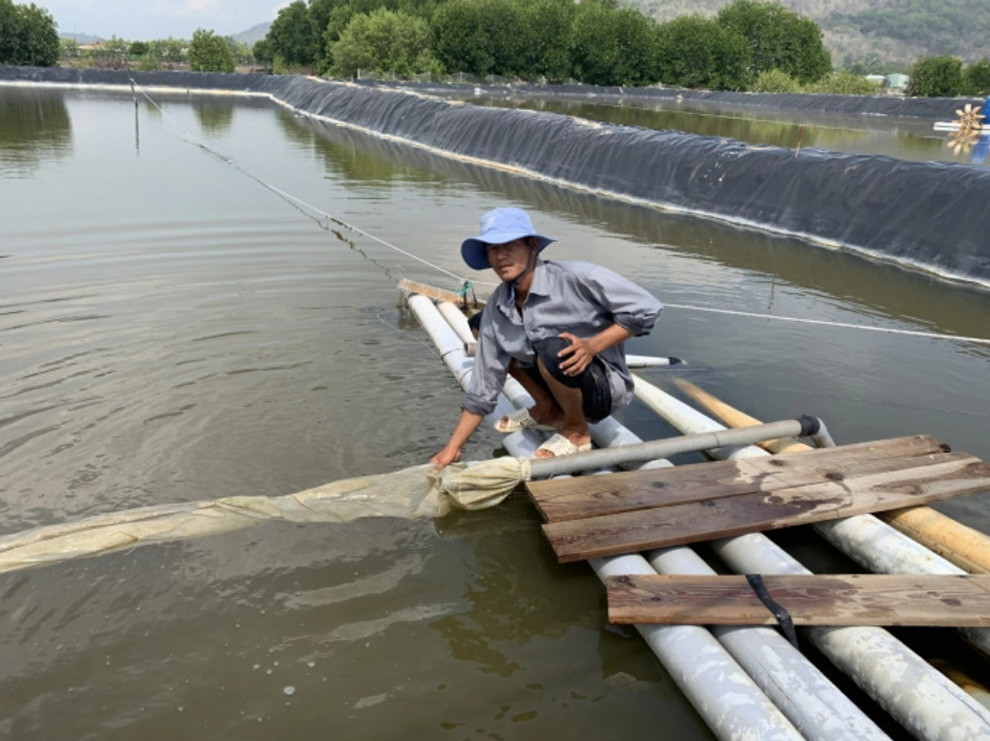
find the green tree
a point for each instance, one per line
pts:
(976, 78)
(319, 13)
(844, 82)
(239, 50)
(169, 52)
(150, 62)
(936, 77)
(262, 52)
(775, 81)
(697, 52)
(68, 49)
(293, 36)
(383, 41)
(28, 35)
(546, 49)
(331, 17)
(481, 37)
(614, 46)
(459, 40)
(209, 53)
(111, 54)
(778, 39)
(138, 49)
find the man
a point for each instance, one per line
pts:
(557, 328)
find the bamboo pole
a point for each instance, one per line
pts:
(962, 545)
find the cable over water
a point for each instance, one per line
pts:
(466, 284)
(297, 202)
(823, 322)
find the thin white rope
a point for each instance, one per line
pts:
(295, 199)
(299, 202)
(843, 325)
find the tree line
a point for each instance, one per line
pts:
(945, 77)
(206, 52)
(27, 35)
(749, 45)
(595, 41)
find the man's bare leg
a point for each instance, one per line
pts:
(546, 411)
(571, 402)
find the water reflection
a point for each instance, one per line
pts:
(344, 157)
(792, 129)
(35, 128)
(512, 606)
(215, 115)
(880, 289)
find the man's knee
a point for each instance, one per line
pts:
(547, 352)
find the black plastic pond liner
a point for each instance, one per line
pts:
(931, 216)
(875, 105)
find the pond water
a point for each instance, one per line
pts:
(900, 138)
(173, 331)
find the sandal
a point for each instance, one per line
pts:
(560, 445)
(520, 420)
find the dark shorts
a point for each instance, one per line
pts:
(596, 391)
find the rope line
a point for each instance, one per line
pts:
(295, 200)
(466, 284)
(843, 325)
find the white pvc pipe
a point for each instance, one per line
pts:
(870, 542)
(722, 693)
(650, 361)
(918, 696)
(450, 347)
(773, 662)
(732, 706)
(458, 322)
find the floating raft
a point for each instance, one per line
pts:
(809, 599)
(596, 516)
(750, 682)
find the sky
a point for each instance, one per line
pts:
(143, 20)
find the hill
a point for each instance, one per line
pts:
(253, 34)
(80, 38)
(896, 31)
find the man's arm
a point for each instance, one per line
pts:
(582, 352)
(466, 426)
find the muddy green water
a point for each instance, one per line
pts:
(171, 331)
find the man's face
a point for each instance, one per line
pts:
(509, 260)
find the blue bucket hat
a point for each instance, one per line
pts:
(499, 227)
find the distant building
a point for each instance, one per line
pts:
(898, 81)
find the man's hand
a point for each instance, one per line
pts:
(580, 353)
(445, 457)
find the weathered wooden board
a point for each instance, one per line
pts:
(592, 496)
(810, 599)
(678, 524)
(437, 294)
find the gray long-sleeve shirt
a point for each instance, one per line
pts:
(566, 296)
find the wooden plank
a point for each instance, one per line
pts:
(810, 599)
(678, 524)
(437, 294)
(592, 496)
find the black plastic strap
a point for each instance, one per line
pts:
(783, 616)
(810, 426)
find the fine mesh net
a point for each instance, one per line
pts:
(411, 493)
